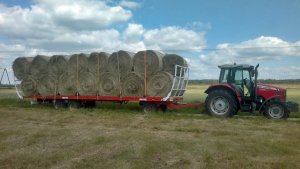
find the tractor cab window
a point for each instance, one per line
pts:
(224, 76)
(240, 76)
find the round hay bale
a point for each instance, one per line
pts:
(120, 62)
(38, 65)
(28, 86)
(97, 62)
(67, 86)
(46, 86)
(109, 84)
(77, 62)
(57, 66)
(21, 67)
(153, 61)
(170, 61)
(87, 83)
(160, 84)
(84, 84)
(133, 85)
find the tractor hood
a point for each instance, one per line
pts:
(269, 87)
(269, 91)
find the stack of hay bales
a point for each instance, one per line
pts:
(120, 74)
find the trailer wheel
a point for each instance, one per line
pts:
(90, 104)
(39, 101)
(149, 107)
(59, 104)
(74, 104)
(220, 103)
(276, 110)
(163, 107)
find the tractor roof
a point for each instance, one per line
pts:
(230, 66)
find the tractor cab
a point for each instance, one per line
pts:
(241, 78)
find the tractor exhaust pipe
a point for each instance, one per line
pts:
(255, 81)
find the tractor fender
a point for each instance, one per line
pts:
(228, 88)
(268, 100)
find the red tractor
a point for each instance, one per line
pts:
(238, 90)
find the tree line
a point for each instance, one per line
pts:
(266, 81)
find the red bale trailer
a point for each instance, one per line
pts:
(173, 100)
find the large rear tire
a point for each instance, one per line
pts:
(276, 110)
(221, 103)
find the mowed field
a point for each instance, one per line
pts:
(121, 136)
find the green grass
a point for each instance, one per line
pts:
(121, 136)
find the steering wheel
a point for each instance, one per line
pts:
(246, 81)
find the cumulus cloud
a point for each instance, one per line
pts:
(49, 17)
(89, 24)
(129, 4)
(268, 51)
(254, 50)
(167, 39)
(174, 38)
(133, 33)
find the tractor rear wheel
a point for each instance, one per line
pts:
(276, 110)
(221, 103)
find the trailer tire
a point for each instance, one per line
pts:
(164, 108)
(149, 107)
(90, 104)
(59, 104)
(220, 103)
(74, 104)
(276, 110)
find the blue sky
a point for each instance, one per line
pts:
(231, 21)
(256, 31)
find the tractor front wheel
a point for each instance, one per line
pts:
(276, 110)
(220, 103)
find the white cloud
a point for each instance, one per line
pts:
(88, 24)
(200, 70)
(129, 4)
(173, 38)
(254, 50)
(279, 72)
(167, 39)
(48, 17)
(197, 25)
(133, 33)
(270, 52)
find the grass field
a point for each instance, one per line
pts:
(121, 136)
